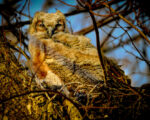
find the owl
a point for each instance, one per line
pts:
(60, 58)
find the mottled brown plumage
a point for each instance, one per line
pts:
(59, 57)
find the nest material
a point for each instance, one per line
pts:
(21, 99)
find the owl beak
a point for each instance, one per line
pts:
(49, 31)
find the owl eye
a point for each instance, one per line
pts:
(57, 25)
(40, 26)
(40, 23)
(60, 22)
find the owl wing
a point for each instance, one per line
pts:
(73, 59)
(37, 52)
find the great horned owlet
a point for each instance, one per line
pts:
(59, 57)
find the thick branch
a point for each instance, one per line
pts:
(100, 23)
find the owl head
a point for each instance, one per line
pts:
(48, 24)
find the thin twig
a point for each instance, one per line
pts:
(98, 107)
(100, 23)
(98, 43)
(112, 10)
(124, 19)
(67, 4)
(37, 91)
